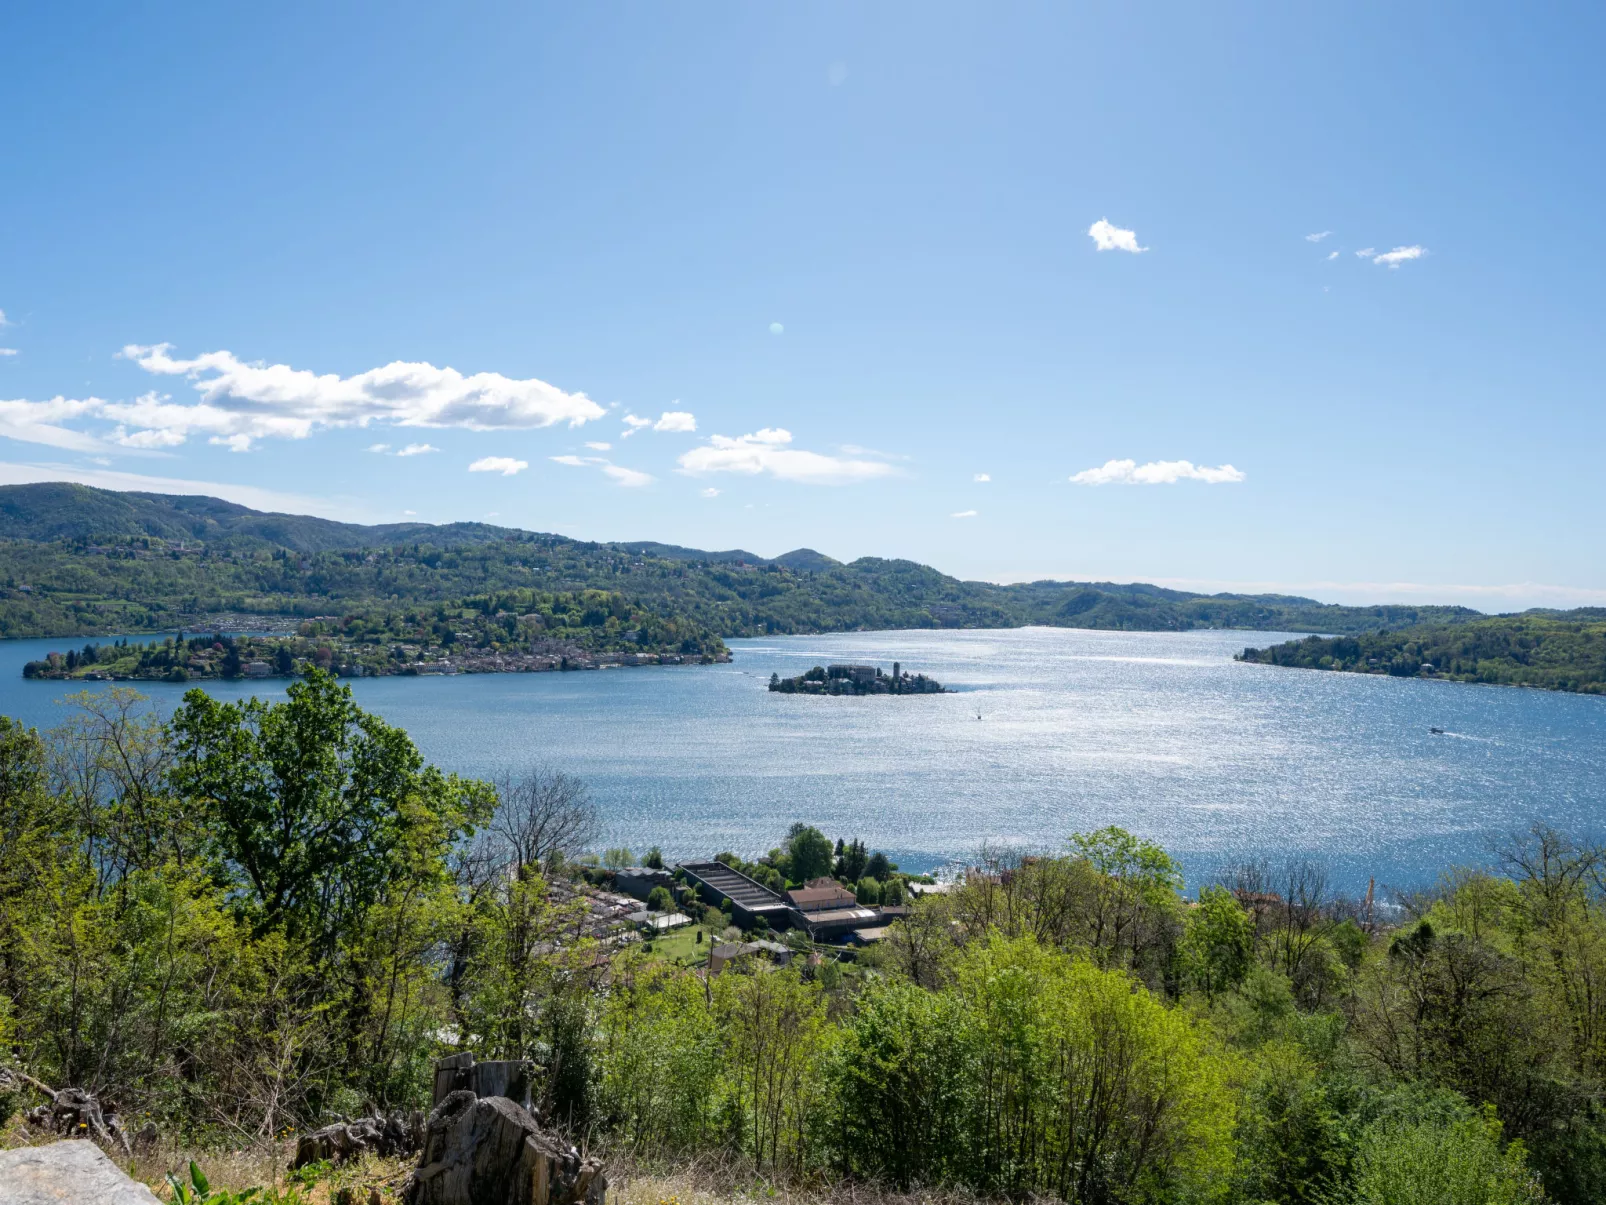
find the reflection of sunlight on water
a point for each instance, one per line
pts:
(1159, 732)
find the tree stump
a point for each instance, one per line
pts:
(491, 1151)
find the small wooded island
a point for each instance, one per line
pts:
(857, 680)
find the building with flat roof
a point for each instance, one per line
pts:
(717, 882)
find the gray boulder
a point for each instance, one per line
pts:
(490, 1151)
(75, 1171)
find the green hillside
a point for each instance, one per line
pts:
(1557, 650)
(81, 561)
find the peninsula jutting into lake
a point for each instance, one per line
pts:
(857, 680)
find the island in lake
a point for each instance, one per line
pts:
(857, 680)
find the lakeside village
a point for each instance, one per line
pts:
(709, 915)
(857, 680)
(229, 656)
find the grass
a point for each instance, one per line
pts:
(682, 947)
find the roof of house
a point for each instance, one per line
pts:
(821, 893)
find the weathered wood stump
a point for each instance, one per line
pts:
(397, 1134)
(491, 1151)
(497, 1077)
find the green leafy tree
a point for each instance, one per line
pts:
(313, 807)
(1218, 942)
(809, 851)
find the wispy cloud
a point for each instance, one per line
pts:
(3, 320)
(777, 329)
(629, 478)
(1156, 472)
(669, 420)
(963, 514)
(769, 451)
(1331, 256)
(710, 492)
(599, 445)
(8, 351)
(379, 449)
(258, 400)
(1365, 252)
(626, 477)
(505, 465)
(417, 449)
(1316, 238)
(41, 422)
(1399, 255)
(1112, 238)
(982, 477)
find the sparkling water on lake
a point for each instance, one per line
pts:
(1162, 733)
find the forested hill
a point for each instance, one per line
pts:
(82, 561)
(1557, 650)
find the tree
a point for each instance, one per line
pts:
(618, 858)
(868, 892)
(809, 851)
(878, 867)
(659, 900)
(543, 814)
(313, 808)
(653, 859)
(1218, 942)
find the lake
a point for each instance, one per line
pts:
(1162, 733)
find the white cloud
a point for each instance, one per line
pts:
(626, 477)
(669, 420)
(1316, 238)
(767, 451)
(1156, 472)
(234, 443)
(1365, 251)
(1112, 238)
(40, 422)
(409, 512)
(710, 492)
(8, 351)
(3, 321)
(963, 514)
(600, 446)
(504, 465)
(417, 450)
(1331, 256)
(379, 448)
(982, 477)
(259, 400)
(675, 420)
(1399, 256)
(777, 329)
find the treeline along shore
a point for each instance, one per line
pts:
(243, 919)
(85, 562)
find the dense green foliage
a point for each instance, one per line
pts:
(1554, 650)
(251, 916)
(514, 629)
(80, 561)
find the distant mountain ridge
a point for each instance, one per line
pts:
(80, 560)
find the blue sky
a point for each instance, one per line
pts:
(812, 271)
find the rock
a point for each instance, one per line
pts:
(70, 1171)
(398, 1134)
(491, 1151)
